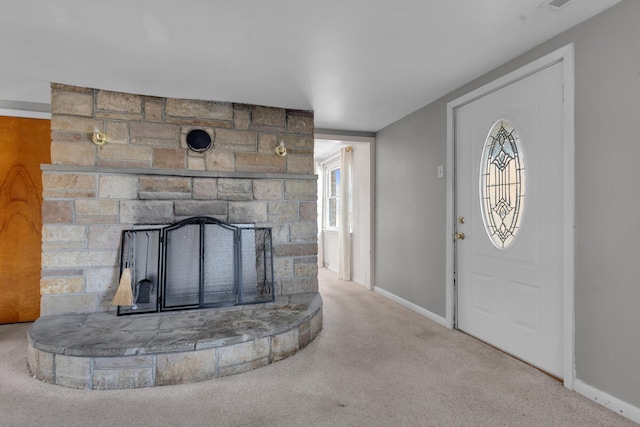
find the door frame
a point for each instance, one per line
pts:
(357, 139)
(566, 56)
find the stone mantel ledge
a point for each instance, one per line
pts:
(174, 172)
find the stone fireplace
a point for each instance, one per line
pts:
(148, 177)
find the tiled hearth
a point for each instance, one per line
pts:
(100, 351)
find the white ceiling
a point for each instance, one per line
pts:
(360, 64)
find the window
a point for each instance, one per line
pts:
(330, 201)
(333, 198)
(502, 179)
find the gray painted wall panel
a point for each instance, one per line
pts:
(410, 209)
(607, 198)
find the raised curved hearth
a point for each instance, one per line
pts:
(102, 351)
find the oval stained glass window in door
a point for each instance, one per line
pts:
(502, 184)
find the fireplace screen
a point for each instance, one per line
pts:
(197, 263)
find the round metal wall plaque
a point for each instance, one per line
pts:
(198, 140)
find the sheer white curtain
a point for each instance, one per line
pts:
(344, 233)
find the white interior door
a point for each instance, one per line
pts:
(509, 265)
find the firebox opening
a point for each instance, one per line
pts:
(199, 262)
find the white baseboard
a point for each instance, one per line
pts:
(411, 306)
(616, 405)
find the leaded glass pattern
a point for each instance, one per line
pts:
(502, 184)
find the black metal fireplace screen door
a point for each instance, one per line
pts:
(199, 262)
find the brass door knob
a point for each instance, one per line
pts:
(458, 236)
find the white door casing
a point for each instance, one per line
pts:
(518, 299)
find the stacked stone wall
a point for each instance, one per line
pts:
(146, 174)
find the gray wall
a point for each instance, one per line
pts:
(410, 208)
(410, 220)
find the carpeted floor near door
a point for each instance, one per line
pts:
(375, 363)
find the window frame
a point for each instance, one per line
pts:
(329, 167)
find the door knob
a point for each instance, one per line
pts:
(458, 236)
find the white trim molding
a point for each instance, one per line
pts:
(618, 406)
(25, 114)
(411, 306)
(360, 138)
